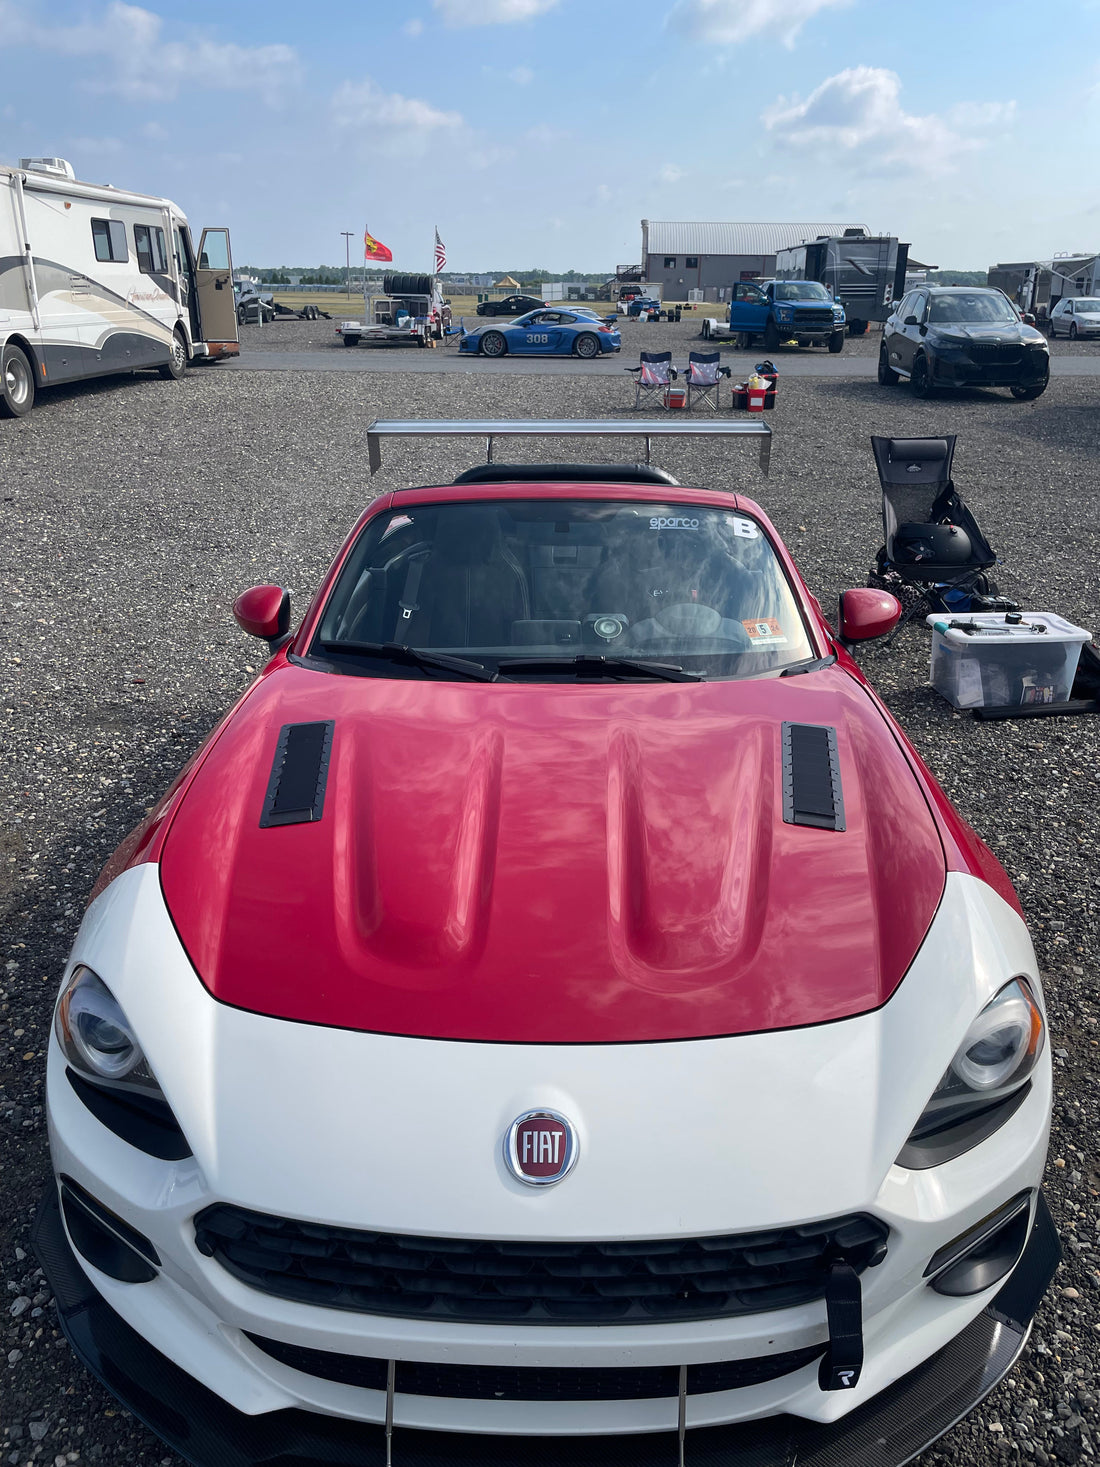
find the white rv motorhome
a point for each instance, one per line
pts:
(95, 280)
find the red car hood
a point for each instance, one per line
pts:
(553, 863)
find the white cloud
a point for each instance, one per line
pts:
(983, 114)
(413, 27)
(95, 147)
(727, 22)
(491, 12)
(142, 66)
(858, 115)
(397, 123)
(523, 76)
(670, 173)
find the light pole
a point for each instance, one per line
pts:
(347, 233)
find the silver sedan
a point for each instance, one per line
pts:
(1076, 316)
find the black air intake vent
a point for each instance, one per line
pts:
(515, 1282)
(536, 1383)
(811, 777)
(299, 773)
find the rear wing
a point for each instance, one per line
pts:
(490, 429)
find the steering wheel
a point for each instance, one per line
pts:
(688, 619)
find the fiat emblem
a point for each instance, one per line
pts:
(540, 1148)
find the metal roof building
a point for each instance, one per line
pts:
(713, 257)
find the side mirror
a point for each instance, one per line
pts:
(911, 321)
(866, 613)
(264, 611)
(1028, 318)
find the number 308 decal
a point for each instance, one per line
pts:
(540, 338)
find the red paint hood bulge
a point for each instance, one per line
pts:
(553, 863)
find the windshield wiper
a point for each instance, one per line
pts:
(813, 665)
(592, 665)
(413, 657)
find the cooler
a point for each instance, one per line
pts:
(1004, 664)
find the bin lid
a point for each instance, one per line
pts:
(997, 632)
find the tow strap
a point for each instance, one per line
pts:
(843, 1359)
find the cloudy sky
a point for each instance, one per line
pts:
(539, 132)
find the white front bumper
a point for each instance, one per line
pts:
(678, 1139)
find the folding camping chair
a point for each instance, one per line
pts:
(704, 376)
(931, 540)
(653, 375)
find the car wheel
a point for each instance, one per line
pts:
(771, 336)
(920, 378)
(886, 375)
(351, 341)
(1028, 394)
(587, 346)
(16, 383)
(1073, 331)
(836, 342)
(492, 344)
(179, 360)
(744, 340)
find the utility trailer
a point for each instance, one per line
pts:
(864, 272)
(411, 311)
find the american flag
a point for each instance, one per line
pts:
(440, 253)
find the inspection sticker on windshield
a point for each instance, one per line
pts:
(765, 633)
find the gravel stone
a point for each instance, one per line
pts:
(132, 512)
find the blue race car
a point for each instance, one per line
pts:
(544, 333)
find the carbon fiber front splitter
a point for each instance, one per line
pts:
(886, 1432)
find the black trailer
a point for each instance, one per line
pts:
(865, 272)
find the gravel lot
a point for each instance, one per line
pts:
(679, 337)
(133, 512)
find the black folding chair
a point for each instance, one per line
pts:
(652, 376)
(704, 377)
(930, 539)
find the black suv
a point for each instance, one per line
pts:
(511, 305)
(962, 336)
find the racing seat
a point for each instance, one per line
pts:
(467, 590)
(652, 376)
(931, 541)
(704, 376)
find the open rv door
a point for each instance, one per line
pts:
(214, 289)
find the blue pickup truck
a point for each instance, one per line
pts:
(785, 310)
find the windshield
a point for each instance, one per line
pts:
(1086, 305)
(554, 579)
(801, 290)
(970, 306)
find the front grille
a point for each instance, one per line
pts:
(535, 1283)
(812, 320)
(535, 1383)
(990, 356)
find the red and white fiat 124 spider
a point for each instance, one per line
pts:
(555, 1017)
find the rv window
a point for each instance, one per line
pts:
(149, 244)
(109, 238)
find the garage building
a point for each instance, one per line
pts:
(683, 257)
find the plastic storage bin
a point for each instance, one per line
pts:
(1002, 664)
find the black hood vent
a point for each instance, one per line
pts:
(811, 777)
(299, 773)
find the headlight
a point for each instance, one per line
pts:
(984, 1082)
(784, 313)
(838, 313)
(95, 1034)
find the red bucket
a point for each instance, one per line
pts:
(756, 396)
